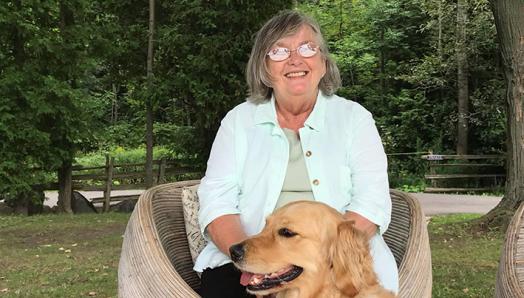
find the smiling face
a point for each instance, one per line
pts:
(297, 76)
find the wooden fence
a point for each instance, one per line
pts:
(111, 176)
(464, 173)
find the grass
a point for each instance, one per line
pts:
(464, 264)
(77, 256)
(60, 255)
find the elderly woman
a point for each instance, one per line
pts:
(293, 139)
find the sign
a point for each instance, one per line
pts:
(435, 157)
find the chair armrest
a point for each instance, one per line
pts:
(153, 249)
(408, 238)
(510, 273)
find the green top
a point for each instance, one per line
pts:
(296, 183)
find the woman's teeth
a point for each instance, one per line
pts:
(296, 74)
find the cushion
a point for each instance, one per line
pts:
(190, 206)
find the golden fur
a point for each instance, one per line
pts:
(334, 255)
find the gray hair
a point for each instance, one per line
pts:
(286, 23)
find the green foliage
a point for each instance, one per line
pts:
(44, 104)
(73, 76)
(406, 172)
(394, 61)
(122, 155)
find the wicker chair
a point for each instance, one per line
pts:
(510, 275)
(156, 262)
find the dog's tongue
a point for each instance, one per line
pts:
(245, 278)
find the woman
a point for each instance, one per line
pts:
(293, 139)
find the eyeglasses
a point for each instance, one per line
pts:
(306, 50)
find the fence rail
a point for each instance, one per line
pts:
(464, 173)
(125, 176)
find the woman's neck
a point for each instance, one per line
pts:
(292, 113)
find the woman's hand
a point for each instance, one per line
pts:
(225, 231)
(361, 223)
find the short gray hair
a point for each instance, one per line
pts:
(285, 23)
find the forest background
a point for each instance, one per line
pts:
(74, 84)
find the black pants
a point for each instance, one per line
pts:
(222, 282)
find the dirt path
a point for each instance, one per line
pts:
(52, 196)
(432, 204)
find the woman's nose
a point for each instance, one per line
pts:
(294, 57)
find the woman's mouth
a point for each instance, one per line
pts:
(296, 74)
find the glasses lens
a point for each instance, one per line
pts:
(278, 54)
(307, 50)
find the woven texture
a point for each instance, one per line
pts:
(510, 275)
(407, 237)
(156, 259)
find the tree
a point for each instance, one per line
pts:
(510, 31)
(44, 106)
(434, 78)
(149, 100)
(462, 79)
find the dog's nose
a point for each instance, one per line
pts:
(237, 252)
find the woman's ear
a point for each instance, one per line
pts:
(352, 264)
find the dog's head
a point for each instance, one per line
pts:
(305, 246)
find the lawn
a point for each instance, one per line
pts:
(60, 255)
(464, 265)
(77, 256)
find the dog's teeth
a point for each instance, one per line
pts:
(255, 280)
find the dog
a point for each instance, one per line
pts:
(307, 249)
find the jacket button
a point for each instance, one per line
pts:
(308, 153)
(316, 182)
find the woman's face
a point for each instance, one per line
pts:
(297, 75)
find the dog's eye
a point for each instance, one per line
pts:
(285, 232)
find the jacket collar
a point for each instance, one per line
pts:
(266, 113)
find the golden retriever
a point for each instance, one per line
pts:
(305, 250)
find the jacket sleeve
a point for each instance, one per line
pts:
(219, 189)
(368, 166)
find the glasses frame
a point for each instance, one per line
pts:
(309, 45)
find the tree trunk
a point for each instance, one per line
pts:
(65, 172)
(510, 31)
(149, 100)
(65, 187)
(462, 79)
(18, 41)
(439, 43)
(382, 66)
(114, 105)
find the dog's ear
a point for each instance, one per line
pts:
(352, 264)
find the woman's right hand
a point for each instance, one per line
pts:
(225, 231)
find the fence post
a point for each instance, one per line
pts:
(162, 171)
(109, 182)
